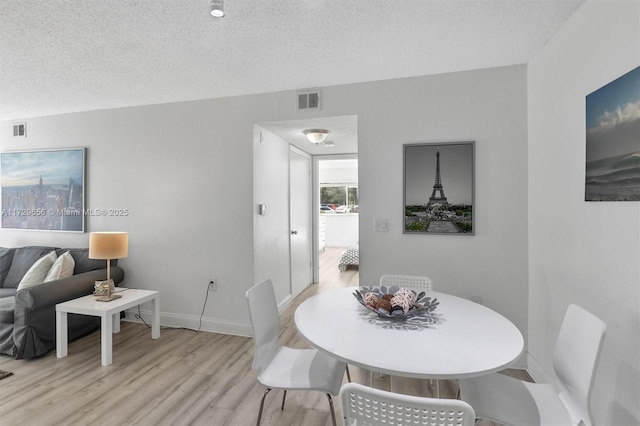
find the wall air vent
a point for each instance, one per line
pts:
(309, 100)
(20, 130)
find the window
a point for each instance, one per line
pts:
(341, 198)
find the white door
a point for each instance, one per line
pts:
(300, 220)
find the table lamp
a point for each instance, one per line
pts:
(108, 245)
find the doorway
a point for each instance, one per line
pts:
(275, 253)
(338, 220)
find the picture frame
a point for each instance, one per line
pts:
(612, 161)
(439, 188)
(43, 190)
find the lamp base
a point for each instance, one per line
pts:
(108, 298)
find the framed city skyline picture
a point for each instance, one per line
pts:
(613, 140)
(439, 188)
(43, 190)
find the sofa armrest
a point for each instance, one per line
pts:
(58, 291)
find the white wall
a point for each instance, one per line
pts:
(488, 106)
(185, 172)
(341, 229)
(579, 252)
(339, 171)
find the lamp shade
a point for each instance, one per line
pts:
(108, 245)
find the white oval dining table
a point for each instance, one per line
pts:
(468, 339)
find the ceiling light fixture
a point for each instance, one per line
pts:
(217, 8)
(316, 135)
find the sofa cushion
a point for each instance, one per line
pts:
(23, 259)
(7, 292)
(7, 305)
(62, 267)
(6, 255)
(38, 271)
(83, 263)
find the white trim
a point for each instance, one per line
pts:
(286, 302)
(535, 371)
(193, 322)
(300, 152)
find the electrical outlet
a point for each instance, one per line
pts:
(213, 285)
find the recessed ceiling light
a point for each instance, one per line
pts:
(217, 8)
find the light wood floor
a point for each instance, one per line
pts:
(183, 378)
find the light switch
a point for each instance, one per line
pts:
(381, 225)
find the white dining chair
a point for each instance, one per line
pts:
(509, 401)
(363, 405)
(410, 282)
(281, 367)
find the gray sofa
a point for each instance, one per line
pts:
(27, 317)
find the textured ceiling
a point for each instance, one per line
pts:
(59, 56)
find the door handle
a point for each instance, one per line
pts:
(294, 232)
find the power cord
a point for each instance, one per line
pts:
(138, 316)
(203, 306)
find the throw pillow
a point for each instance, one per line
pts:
(62, 267)
(38, 271)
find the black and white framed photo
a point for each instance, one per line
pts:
(43, 190)
(439, 188)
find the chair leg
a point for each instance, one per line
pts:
(437, 383)
(333, 413)
(284, 395)
(348, 374)
(262, 405)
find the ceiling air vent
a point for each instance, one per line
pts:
(309, 100)
(20, 130)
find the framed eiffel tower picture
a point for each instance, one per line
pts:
(439, 188)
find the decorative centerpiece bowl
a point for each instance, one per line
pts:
(395, 302)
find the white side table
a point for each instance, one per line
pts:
(109, 313)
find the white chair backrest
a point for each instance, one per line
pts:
(265, 321)
(362, 405)
(575, 360)
(410, 282)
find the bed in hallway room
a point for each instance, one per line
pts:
(350, 257)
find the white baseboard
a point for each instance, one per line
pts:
(206, 324)
(192, 323)
(521, 362)
(535, 371)
(284, 304)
